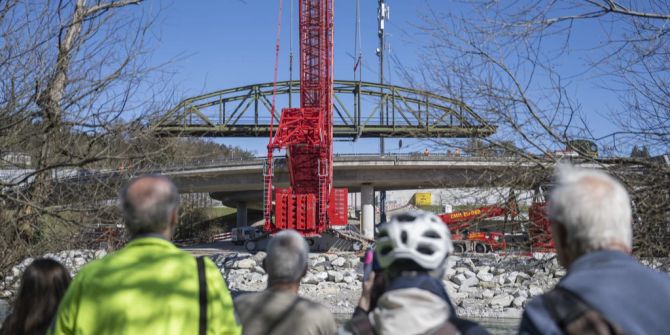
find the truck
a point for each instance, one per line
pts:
(464, 240)
(242, 235)
(538, 234)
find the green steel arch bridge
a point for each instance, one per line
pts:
(360, 110)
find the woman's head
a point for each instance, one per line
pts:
(43, 284)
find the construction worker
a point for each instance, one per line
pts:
(278, 309)
(407, 296)
(606, 290)
(149, 286)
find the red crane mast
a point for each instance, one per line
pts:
(310, 205)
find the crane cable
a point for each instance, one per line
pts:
(274, 83)
(290, 55)
(357, 43)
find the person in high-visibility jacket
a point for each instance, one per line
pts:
(150, 286)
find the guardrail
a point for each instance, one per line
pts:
(259, 160)
(336, 157)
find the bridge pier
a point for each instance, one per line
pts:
(242, 214)
(368, 211)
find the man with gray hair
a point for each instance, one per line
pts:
(279, 309)
(149, 286)
(605, 291)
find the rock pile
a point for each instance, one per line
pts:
(494, 286)
(73, 260)
(332, 279)
(479, 285)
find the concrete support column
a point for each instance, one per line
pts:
(368, 211)
(241, 214)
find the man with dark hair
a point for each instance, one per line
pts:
(279, 309)
(150, 286)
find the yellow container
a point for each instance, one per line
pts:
(423, 199)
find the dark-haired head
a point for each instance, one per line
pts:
(43, 284)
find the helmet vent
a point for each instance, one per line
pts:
(431, 234)
(385, 250)
(424, 249)
(405, 217)
(403, 237)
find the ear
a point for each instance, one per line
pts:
(559, 234)
(174, 219)
(172, 226)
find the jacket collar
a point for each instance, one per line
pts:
(598, 258)
(149, 239)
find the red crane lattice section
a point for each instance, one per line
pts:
(311, 204)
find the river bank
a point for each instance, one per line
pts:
(481, 286)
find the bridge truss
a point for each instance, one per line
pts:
(245, 112)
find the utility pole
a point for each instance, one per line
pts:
(382, 16)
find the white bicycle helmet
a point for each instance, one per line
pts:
(418, 236)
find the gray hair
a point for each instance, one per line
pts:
(147, 203)
(287, 256)
(593, 207)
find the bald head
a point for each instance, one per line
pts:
(150, 205)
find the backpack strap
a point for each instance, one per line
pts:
(202, 296)
(283, 316)
(361, 325)
(447, 328)
(574, 316)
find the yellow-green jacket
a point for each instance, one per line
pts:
(148, 287)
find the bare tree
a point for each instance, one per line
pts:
(505, 59)
(76, 93)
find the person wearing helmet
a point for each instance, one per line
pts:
(407, 296)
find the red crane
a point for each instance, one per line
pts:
(310, 204)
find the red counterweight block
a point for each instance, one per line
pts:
(295, 211)
(337, 212)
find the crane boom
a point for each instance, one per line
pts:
(310, 205)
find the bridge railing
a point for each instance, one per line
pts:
(259, 160)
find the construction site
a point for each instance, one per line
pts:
(302, 188)
(332, 139)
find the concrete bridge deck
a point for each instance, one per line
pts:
(242, 181)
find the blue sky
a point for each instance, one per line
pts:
(229, 43)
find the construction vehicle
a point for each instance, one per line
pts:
(310, 205)
(477, 241)
(539, 227)
(538, 237)
(240, 235)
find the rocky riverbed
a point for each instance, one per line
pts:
(488, 285)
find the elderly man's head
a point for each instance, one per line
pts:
(589, 211)
(286, 260)
(150, 204)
